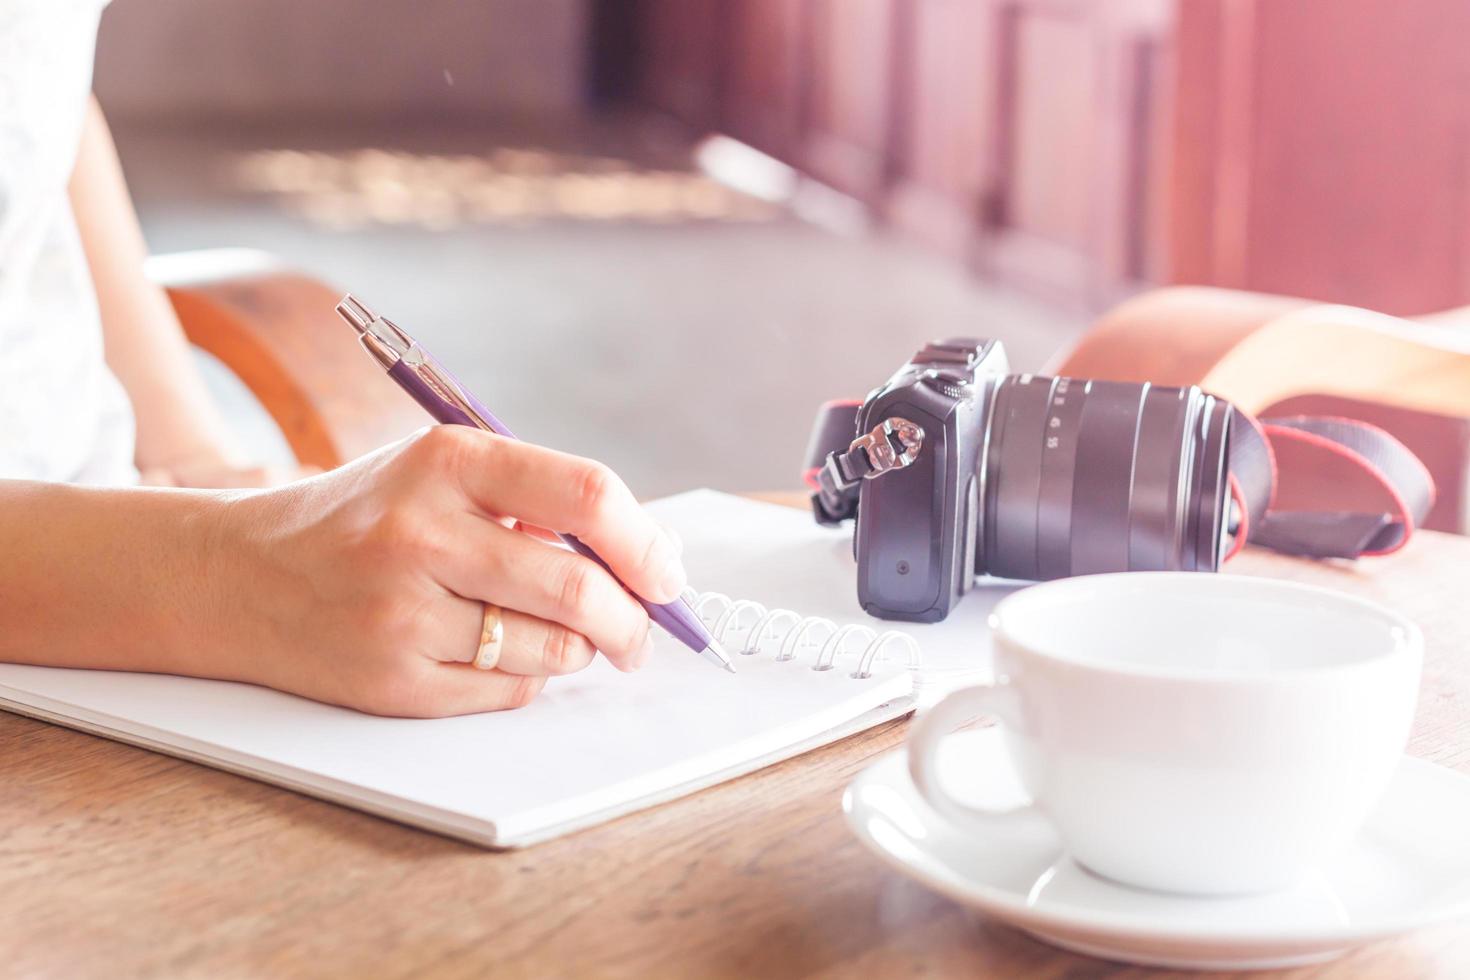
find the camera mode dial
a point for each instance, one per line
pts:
(952, 384)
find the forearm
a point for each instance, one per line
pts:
(367, 586)
(124, 579)
(145, 345)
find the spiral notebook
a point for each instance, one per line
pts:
(594, 745)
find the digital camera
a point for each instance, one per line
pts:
(963, 469)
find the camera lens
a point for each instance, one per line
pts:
(1100, 476)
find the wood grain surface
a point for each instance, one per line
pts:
(117, 862)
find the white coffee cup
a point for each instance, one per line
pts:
(1186, 732)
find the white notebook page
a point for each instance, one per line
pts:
(593, 745)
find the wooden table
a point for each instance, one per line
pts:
(118, 862)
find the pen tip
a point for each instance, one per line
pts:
(716, 655)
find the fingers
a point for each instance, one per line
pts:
(575, 496)
(674, 538)
(442, 689)
(533, 647)
(541, 533)
(551, 537)
(537, 647)
(515, 571)
(531, 650)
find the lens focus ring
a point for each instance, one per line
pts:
(1099, 476)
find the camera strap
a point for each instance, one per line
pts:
(1324, 487)
(1314, 486)
(843, 462)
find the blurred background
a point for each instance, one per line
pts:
(661, 232)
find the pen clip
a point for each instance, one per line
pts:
(390, 346)
(444, 385)
(379, 337)
(381, 352)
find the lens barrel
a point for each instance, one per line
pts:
(1101, 476)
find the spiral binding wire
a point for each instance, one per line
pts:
(800, 633)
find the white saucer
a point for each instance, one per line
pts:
(1409, 868)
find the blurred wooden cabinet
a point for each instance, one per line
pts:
(1022, 136)
(1036, 138)
(946, 122)
(851, 57)
(1070, 115)
(762, 95)
(680, 47)
(808, 81)
(1083, 148)
(1323, 150)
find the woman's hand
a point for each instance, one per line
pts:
(364, 586)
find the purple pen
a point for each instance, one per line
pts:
(442, 396)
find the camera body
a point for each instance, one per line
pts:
(960, 468)
(918, 527)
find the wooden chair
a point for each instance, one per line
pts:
(1277, 355)
(276, 329)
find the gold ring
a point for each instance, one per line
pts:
(492, 632)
